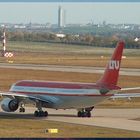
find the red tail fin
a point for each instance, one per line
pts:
(111, 73)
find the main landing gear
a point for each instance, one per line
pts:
(85, 112)
(40, 112)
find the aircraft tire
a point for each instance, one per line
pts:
(88, 114)
(23, 110)
(79, 114)
(20, 110)
(36, 114)
(45, 114)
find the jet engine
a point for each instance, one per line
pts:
(9, 105)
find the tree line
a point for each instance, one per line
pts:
(81, 39)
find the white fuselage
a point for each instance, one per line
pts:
(62, 95)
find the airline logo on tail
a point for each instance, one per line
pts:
(114, 65)
(111, 74)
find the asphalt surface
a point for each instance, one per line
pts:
(82, 69)
(111, 118)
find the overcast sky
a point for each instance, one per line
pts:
(75, 12)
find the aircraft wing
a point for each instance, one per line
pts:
(23, 97)
(125, 95)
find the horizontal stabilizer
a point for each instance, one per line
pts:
(127, 89)
(125, 95)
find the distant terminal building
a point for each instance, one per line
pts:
(60, 35)
(61, 17)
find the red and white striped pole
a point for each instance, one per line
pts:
(4, 42)
(5, 53)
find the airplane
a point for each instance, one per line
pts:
(67, 95)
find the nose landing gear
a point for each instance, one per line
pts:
(21, 109)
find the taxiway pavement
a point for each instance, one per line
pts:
(82, 69)
(111, 118)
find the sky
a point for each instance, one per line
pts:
(76, 12)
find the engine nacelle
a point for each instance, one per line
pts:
(9, 105)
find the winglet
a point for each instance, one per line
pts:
(111, 74)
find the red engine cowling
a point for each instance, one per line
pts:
(9, 105)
